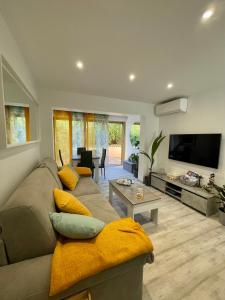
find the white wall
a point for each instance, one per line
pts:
(50, 99)
(206, 114)
(15, 163)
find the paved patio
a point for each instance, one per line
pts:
(114, 154)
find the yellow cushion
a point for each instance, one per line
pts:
(68, 203)
(68, 178)
(83, 171)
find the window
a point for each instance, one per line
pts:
(62, 135)
(77, 132)
(17, 124)
(74, 129)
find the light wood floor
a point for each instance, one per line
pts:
(189, 252)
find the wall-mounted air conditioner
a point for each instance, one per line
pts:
(171, 107)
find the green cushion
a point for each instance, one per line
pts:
(76, 226)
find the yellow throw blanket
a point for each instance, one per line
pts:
(118, 242)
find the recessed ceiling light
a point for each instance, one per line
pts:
(207, 15)
(170, 85)
(79, 65)
(132, 77)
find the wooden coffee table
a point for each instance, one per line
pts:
(127, 195)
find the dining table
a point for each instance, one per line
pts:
(95, 157)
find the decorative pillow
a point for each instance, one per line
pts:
(74, 170)
(71, 168)
(68, 177)
(83, 171)
(68, 203)
(76, 226)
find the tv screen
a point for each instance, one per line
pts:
(199, 149)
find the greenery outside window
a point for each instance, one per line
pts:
(135, 135)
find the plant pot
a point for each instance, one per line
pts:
(150, 177)
(222, 216)
(146, 180)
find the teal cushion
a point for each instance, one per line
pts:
(76, 226)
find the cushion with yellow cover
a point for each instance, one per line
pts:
(83, 171)
(68, 177)
(68, 203)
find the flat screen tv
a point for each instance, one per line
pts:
(199, 149)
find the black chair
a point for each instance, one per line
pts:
(80, 149)
(86, 161)
(102, 164)
(60, 156)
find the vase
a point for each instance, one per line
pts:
(221, 216)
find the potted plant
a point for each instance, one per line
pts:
(221, 196)
(219, 192)
(151, 157)
(134, 159)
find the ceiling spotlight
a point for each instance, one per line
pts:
(132, 77)
(207, 15)
(79, 65)
(169, 86)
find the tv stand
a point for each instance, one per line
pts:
(194, 197)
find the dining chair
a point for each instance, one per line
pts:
(102, 163)
(80, 149)
(60, 157)
(86, 161)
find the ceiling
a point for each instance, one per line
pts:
(160, 41)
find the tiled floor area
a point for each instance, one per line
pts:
(114, 154)
(189, 250)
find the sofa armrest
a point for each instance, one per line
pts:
(30, 279)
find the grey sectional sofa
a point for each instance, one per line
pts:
(27, 241)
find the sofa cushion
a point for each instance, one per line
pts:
(68, 203)
(52, 166)
(26, 228)
(83, 171)
(85, 186)
(76, 226)
(68, 177)
(99, 207)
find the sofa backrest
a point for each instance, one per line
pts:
(53, 168)
(26, 229)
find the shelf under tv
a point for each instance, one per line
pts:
(194, 197)
(173, 193)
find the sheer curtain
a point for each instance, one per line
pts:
(78, 139)
(90, 131)
(101, 133)
(75, 129)
(63, 135)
